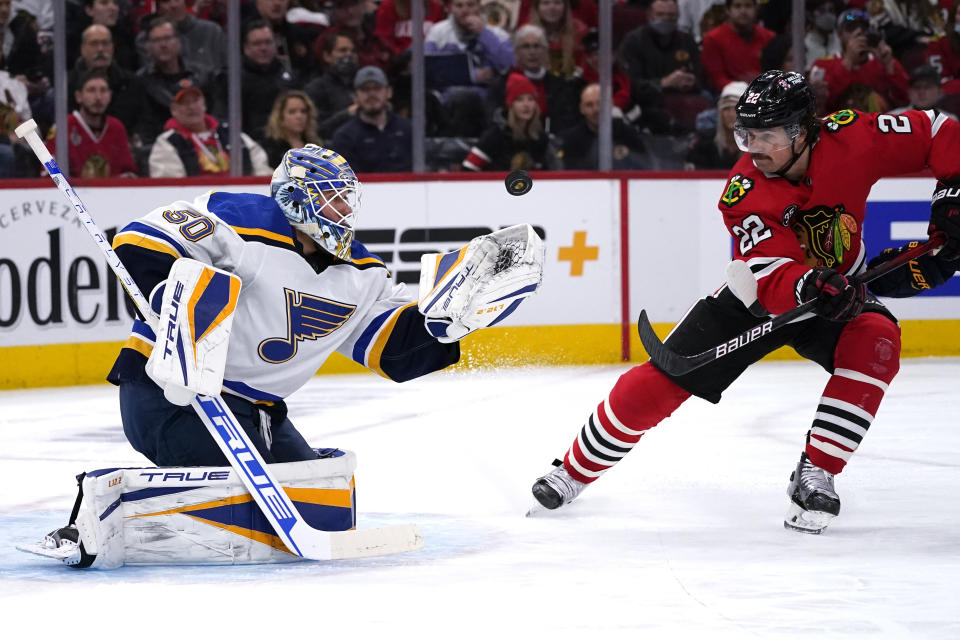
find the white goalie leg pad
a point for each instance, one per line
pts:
(193, 331)
(482, 283)
(204, 515)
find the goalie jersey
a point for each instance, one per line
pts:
(293, 310)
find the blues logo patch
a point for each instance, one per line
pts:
(308, 318)
(736, 190)
(836, 121)
(826, 234)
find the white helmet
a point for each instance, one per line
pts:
(308, 180)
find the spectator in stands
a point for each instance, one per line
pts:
(731, 51)
(588, 71)
(556, 96)
(22, 57)
(14, 110)
(564, 33)
(202, 43)
(907, 26)
(778, 54)
(664, 68)
(96, 54)
(212, 10)
(264, 76)
(291, 125)
(20, 53)
(821, 40)
(106, 13)
(579, 144)
(375, 139)
(293, 40)
(944, 53)
(583, 10)
(97, 142)
(518, 143)
(350, 18)
(465, 31)
(865, 76)
(925, 91)
(716, 148)
(196, 144)
(332, 90)
(691, 14)
(393, 22)
(165, 75)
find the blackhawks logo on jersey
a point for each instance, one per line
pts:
(826, 234)
(736, 190)
(836, 121)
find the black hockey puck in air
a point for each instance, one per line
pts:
(518, 182)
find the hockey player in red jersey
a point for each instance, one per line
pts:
(795, 206)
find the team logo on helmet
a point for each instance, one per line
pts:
(835, 121)
(825, 234)
(736, 190)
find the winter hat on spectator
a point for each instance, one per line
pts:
(731, 94)
(517, 85)
(370, 74)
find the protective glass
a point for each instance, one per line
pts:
(765, 140)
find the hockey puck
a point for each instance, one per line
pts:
(518, 182)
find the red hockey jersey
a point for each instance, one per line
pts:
(782, 229)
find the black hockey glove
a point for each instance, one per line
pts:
(837, 298)
(917, 276)
(945, 216)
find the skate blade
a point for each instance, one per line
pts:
(537, 511)
(799, 519)
(61, 553)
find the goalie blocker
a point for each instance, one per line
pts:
(481, 284)
(195, 515)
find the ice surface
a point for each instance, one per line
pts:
(684, 538)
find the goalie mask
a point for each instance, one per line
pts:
(320, 195)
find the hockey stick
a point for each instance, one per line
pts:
(298, 536)
(675, 364)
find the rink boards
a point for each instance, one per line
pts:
(63, 316)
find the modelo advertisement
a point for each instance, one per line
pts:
(56, 288)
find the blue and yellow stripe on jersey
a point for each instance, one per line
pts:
(361, 258)
(254, 217)
(324, 509)
(143, 236)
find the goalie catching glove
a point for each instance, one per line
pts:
(193, 331)
(481, 284)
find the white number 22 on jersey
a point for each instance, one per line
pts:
(751, 231)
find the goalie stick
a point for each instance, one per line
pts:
(298, 536)
(675, 364)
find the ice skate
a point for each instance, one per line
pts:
(556, 488)
(813, 500)
(62, 544)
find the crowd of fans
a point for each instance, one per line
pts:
(510, 83)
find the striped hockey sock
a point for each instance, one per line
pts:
(866, 359)
(640, 399)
